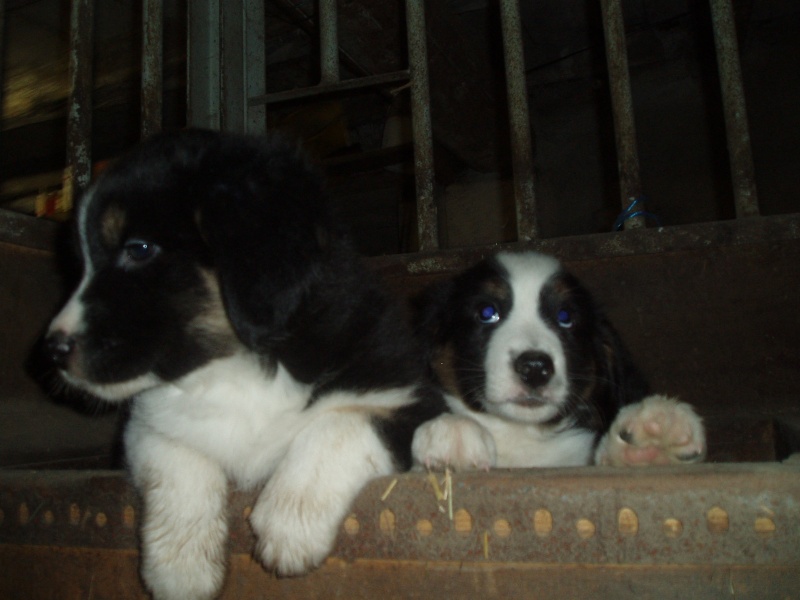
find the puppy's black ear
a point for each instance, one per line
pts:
(432, 314)
(263, 219)
(627, 384)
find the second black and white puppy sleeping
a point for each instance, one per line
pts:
(537, 376)
(219, 296)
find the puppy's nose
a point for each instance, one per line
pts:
(534, 368)
(59, 346)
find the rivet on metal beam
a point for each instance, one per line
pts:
(673, 528)
(585, 528)
(502, 528)
(351, 525)
(129, 517)
(424, 527)
(462, 521)
(628, 522)
(543, 522)
(717, 520)
(48, 518)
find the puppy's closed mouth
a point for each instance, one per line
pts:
(529, 401)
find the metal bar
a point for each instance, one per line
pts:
(79, 113)
(328, 41)
(331, 88)
(519, 122)
(232, 94)
(622, 106)
(202, 57)
(593, 515)
(152, 66)
(255, 69)
(427, 210)
(738, 134)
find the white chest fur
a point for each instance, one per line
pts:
(230, 411)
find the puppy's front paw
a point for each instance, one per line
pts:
(454, 441)
(294, 535)
(656, 431)
(186, 564)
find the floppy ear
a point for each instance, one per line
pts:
(627, 384)
(432, 314)
(264, 222)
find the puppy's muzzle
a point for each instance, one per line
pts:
(59, 347)
(534, 369)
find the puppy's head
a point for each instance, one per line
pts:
(181, 241)
(519, 337)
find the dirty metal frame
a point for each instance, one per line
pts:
(738, 137)
(152, 66)
(720, 515)
(227, 81)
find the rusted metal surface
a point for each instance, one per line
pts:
(328, 41)
(79, 109)
(737, 129)
(202, 60)
(2, 58)
(760, 230)
(427, 210)
(36, 573)
(232, 68)
(722, 514)
(152, 66)
(255, 65)
(622, 107)
(519, 122)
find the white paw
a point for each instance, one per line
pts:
(186, 563)
(294, 533)
(656, 431)
(454, 441)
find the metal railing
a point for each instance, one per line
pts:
(226, 90)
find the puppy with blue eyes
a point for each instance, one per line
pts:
(536, 376)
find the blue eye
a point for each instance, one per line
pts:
(137, 252)
(488, 313)
(564, 319)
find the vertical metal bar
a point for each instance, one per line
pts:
(232, 100)
(622, 106)
(427, 211)
(202, 57)
(519, 122)
(152, 69)
(328, 41)
(2, 52)
(255, 65)
(738, 134)
(79, 113)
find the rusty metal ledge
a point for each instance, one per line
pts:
(771, 230)
(706, 531)
(718, 514)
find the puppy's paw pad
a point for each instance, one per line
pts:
(658, 430)
(453, 441)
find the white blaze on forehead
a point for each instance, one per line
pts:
(524, 330)
(83, 233)
(70, 319)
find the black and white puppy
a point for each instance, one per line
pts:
(536, 376)
(219, 296)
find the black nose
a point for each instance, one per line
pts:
(59, 347)
(534, 368)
